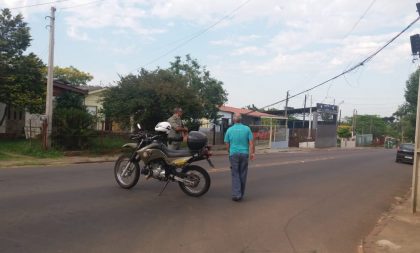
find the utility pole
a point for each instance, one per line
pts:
(415, 195)
(49, 102)
(285, 109)
(416, 164)
(310, 121)
(304, 112)
(353, 132)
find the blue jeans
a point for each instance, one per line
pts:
(239, 169)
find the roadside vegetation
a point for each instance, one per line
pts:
(21, 149)
(32, 149)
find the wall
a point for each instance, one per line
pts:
(326, 136)
(348, 143)
(94, 106)
(3, 126)
(308, 144)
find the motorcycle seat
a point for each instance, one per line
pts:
(176, 153)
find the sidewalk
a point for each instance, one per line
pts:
(396, 231)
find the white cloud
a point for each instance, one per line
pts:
(253, 51)
(73, 33)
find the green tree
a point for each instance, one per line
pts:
(150, 96)
(209, 90)
(22, 84)
(344, 131)
(406, 113)
(369, 124)
(72, 126)
(72, 75)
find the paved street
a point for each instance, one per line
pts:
(319, 201)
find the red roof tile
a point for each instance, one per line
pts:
(241, 111)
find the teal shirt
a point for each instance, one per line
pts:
(238, 136)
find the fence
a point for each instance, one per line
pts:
(264, 135)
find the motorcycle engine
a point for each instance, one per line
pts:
(157, 170)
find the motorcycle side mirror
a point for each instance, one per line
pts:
(138, 126)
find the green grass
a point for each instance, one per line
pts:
(107, 144)
(10, 149)
(4, 156)
(25, 149)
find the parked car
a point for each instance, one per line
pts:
(405, 153)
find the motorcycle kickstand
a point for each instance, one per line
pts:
(163, 188)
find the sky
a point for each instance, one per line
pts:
(259, 49)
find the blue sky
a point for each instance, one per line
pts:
(259, 49)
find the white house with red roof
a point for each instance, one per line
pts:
(249, 117)
(254, 119)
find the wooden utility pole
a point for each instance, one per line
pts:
(416, 164)
(304, 112)
(310, 122)
(285, 109)
(49, 102)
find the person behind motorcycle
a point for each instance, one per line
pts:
(178, 130)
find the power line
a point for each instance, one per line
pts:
(360, 19)
(363, 62)
(79, 5)
(35, 5)
(194, 36)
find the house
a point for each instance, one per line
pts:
(260, 123)
(93, 103)
(33, 122)
(249, 117)
(17, 122)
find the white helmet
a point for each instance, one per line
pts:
(164, 127)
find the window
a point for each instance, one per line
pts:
(92, 110)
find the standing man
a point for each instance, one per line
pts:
(240, 145)
(177, 131)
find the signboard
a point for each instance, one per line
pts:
(326, 108)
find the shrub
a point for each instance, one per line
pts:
(72, 128)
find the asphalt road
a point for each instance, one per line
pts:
(311, 202)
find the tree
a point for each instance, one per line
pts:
(371, 124)
(72, 75)
(344, 131)
(72, 125)
(406, 113)
(150, 96)
(209, 90)
(22, 84)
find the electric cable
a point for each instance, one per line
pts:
(360, 64)
(79, 5)
(39, 4)
(196, 35)
(360, 19)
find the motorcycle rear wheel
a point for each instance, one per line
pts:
(132, 174)
(201, 180)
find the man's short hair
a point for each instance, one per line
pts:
(237, 118)
(177, 109)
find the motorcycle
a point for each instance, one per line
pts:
(164, 164)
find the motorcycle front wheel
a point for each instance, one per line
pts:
(126, 173)
(199, 181)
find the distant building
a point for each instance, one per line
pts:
(18, 122)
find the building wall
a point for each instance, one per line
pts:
(14, 122)
(3, 126)
(94, 106)
(326, 136)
